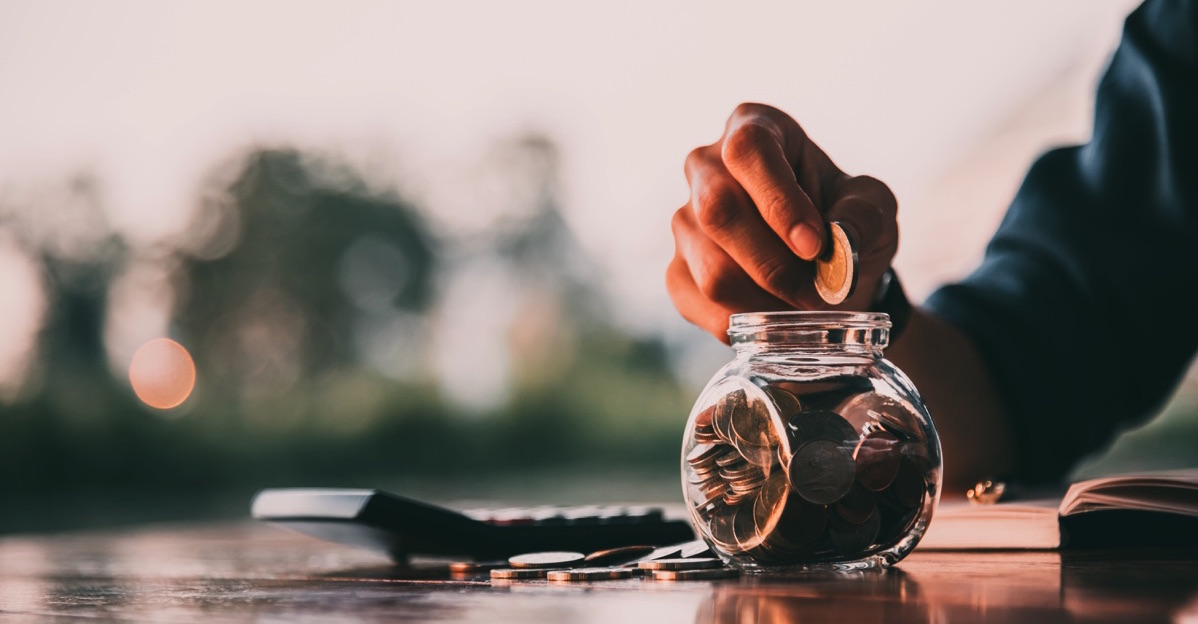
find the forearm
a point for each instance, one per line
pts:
(974, 429)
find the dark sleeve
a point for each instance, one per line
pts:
(1084, 306)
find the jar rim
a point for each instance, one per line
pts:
(806, 330)
(806, 319)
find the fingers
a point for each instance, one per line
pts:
(724, 213)
(867, 209)
(717, 276)
(763, 149)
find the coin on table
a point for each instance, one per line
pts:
(854, 539)
(822, 471)
(475, 567)
(546, 560)
(822, 425)
(695, 575)
(589, 574)
(519, 574)
(616, 556)
(836, 268)
(877, 456)
(694, 563)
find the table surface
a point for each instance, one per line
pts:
(244, 572)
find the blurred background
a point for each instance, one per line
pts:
(421, 245)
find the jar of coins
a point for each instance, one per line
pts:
(809, 450)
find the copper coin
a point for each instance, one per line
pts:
(725, 407)
(856, 506)
(865, 407)
(836, 268)
(519, 574)
(694, 575)
(720, 527)
(854, 539)
(877, 457)
(822, 471)
(785, 402)
(588, 574)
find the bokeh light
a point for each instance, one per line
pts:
(162, 373)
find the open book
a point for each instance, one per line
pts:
(1141, 509)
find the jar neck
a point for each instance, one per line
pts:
(848, 333)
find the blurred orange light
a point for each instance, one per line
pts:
(162, 373)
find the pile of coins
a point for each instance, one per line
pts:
(689, 561)
(849, 478)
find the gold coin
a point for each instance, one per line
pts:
(836, 268)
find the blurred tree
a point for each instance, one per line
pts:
(316, 250)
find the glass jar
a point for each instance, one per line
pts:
(809, 450)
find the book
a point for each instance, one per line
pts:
(1129, 510)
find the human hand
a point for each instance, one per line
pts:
(760, 197)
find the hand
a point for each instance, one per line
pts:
(747, 239)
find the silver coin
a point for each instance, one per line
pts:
(822, 425)
(551, 559)
(836, 268)
(519, 574)
(822, 471)
(695, 575)
(693, 563)
(588, 574)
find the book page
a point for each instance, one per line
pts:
(1173, 491)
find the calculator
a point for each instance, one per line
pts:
(399, 526)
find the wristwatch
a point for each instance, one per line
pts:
(891, 299)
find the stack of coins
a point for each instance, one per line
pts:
(849, 478)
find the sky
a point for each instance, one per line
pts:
(149, 95)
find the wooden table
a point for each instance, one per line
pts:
(243, 572)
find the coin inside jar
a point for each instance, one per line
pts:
(822, 425)
(822, 471)
(836, 268)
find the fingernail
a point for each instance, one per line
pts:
(806, 241)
